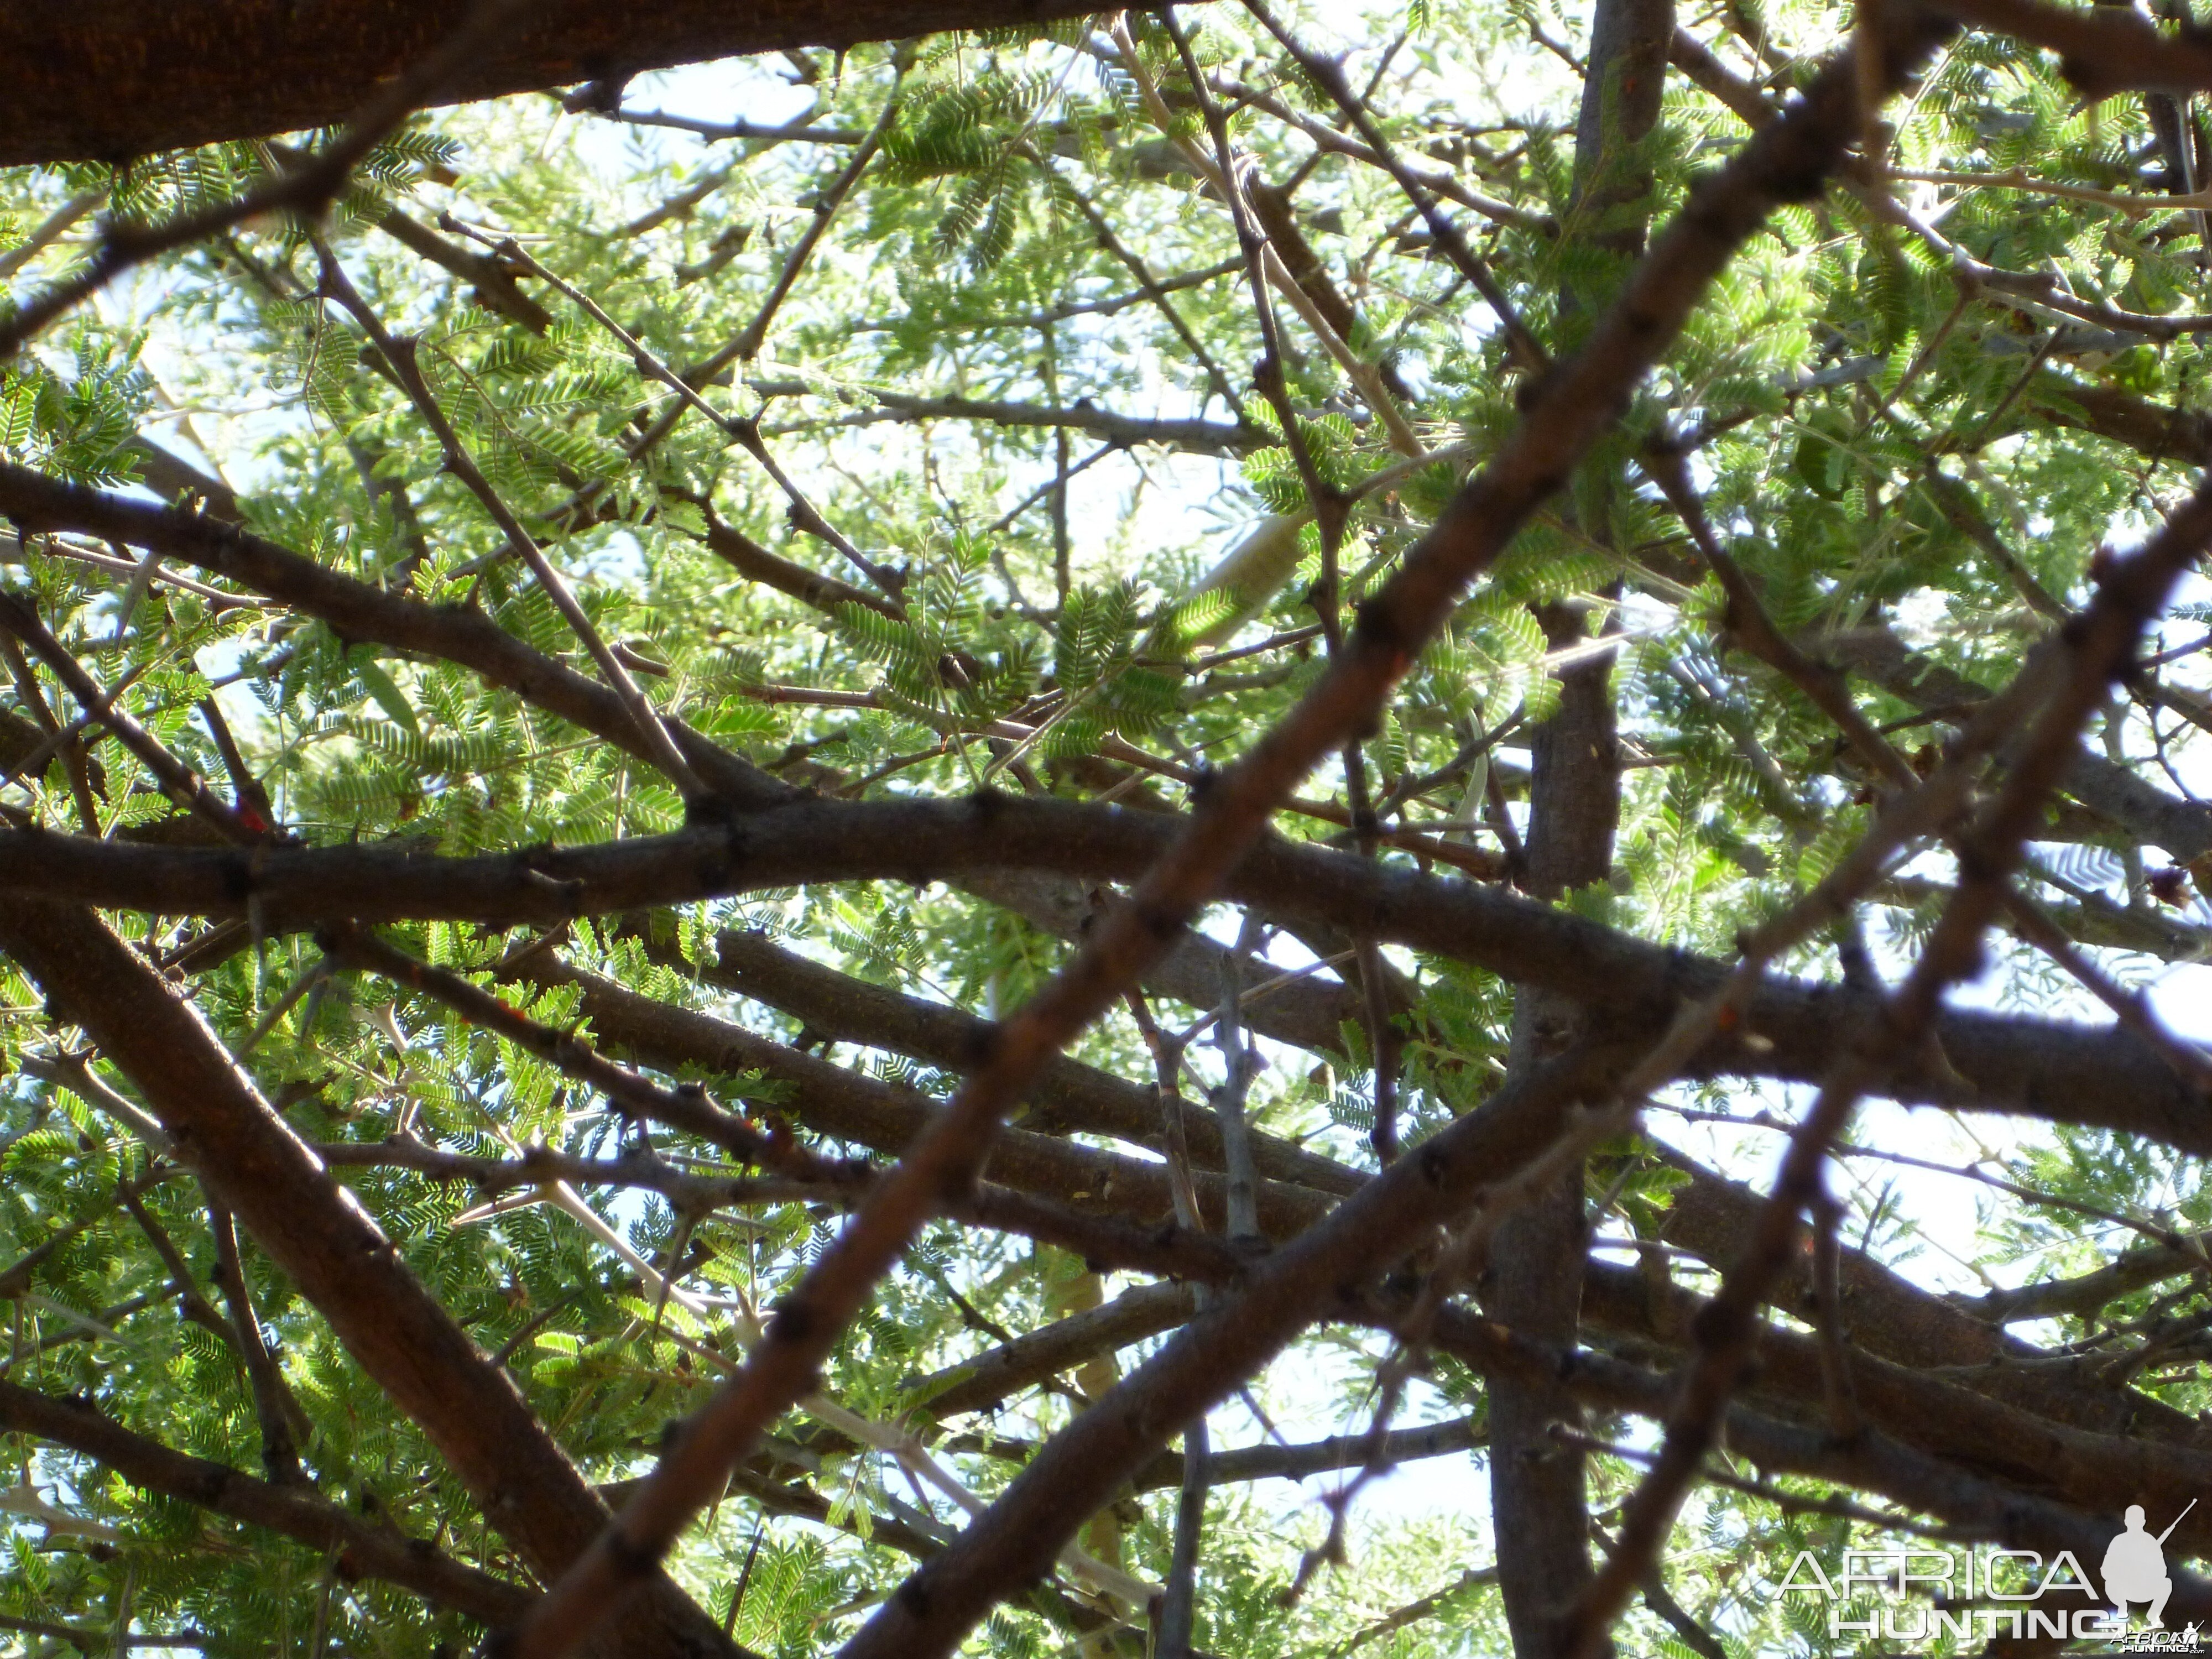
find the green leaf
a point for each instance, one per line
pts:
(386, 690)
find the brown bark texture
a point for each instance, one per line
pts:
(116, 79)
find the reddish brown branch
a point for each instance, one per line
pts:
(1323, 1273)
(689, 1110)
(358, 612)
(105, 82)
(326, 1244)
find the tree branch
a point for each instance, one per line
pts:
(2039, 1068)
(1206, 437)
(401, 358)
(360, 1549)
(1323, 1270)
(324, 1242)
(140, 77)
(358, 612)
(308, 190)
(279, 1455)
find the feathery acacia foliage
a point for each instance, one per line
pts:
(898, 449)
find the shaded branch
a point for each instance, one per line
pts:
(1069, 1096)
(322, 1240)
(272, 1402)
(996, 1376)
(888, 1118)
(1207, 437)
(1325, 1270)
(308, 190)
(1972, 1504)
(131, 78)
(2040, 1068)
(361, 1549)
(358, 612)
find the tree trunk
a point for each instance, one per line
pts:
(1537, 1498)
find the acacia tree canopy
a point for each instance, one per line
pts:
(886, 848)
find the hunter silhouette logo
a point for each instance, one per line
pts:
(2135, 1566)
(1990, 1592)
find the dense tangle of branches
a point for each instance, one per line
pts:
(637, 952)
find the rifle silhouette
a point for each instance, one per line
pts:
(2178, 1520)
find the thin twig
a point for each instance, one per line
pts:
(744, 431)
(181, 784)
(1239, 1063)
(1178, 1601)
(1226, 172)
(399, 356)
(279, 1455)
(1167, 1068)
(50, 230)
(1328, 75)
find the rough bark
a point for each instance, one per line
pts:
(2157, 431)
(2146, 813)
(314, 1231)
(1538, 1485)
(832, 1101)
(111, 79)
(2051, 1069)
(1071, 1097)
(1937, 1412)
(1538, 1489)
(1889, 1317)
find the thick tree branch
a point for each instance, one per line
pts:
(1533, 1281)
(989, 1378)
(1891, 1318)
(426, 70)
(1309, 1011)
(360, 1549)
(1945, 1416)
(1069, 1096)
(2108, 50)
(328, 1246)
(688, 1109)
(886, 1118)
(1977, 1506)
(1297, 1462)
(2148, 813)
(2045, 1069)
(124, 79)
(1326, 1269)
(358, 612)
